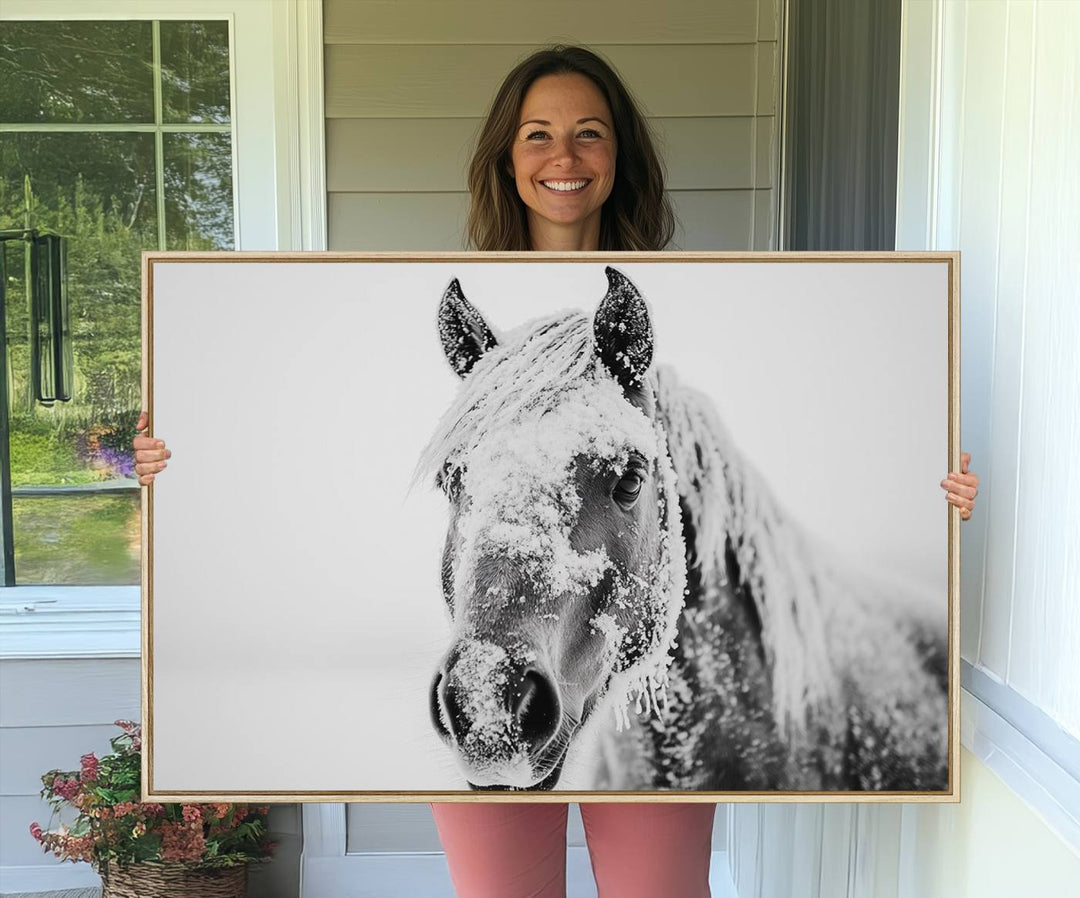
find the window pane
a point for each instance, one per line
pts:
(112, 174)
(198, 192)
(76, 72)
(195, 71)
(77, 540)
(98, 191)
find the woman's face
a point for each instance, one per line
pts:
(563, 154)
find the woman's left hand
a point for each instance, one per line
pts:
(961, 489)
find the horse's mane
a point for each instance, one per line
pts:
(730, 504)
(528, 369)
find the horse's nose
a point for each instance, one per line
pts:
(520, 702)
(536, 707)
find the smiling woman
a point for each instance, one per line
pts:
(563, 160)
(560, 118)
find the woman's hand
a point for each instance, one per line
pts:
(961, 489)
(150, 453)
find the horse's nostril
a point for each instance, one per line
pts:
(435, 705)
(536, 709)
(446, 709)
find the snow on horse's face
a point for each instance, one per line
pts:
(557, 567)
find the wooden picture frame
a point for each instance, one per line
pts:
(292, 550)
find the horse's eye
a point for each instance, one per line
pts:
(627, 489)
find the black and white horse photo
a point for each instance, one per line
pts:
(620, 578)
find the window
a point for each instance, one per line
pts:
(118, 136)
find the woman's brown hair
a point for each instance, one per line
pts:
(636, 216)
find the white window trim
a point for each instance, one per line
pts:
(279, 163)
(1031, 754)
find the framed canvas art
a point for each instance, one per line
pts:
(601, 526)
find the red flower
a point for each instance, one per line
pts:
(89, 768)
(192, 814)
(36, 831)
(65, 788)
(181, 842)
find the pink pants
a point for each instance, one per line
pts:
(638, 850)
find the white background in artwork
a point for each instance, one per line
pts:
(296, 607)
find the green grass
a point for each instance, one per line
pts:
(84, 540)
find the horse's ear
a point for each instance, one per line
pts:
(464, 333)
(623, 332)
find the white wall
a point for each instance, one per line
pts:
(990, 137)
(991, 844)
(1008, 196)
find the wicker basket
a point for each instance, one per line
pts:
(147, 880)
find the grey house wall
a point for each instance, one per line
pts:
(53, 711)
(407, 85)
(408, 82)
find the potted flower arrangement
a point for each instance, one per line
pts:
(143, 848)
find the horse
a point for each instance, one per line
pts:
(619, 576)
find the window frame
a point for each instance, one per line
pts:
(277, 118)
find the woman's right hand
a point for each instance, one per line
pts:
(150, 453)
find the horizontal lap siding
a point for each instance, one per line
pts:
(380, 155)
(530, 23)
(28, 752)
(51, 693)
(460, 80)
(408, 84)
(707, 219)
(51, 713)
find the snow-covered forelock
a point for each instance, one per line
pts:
(522, 502)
